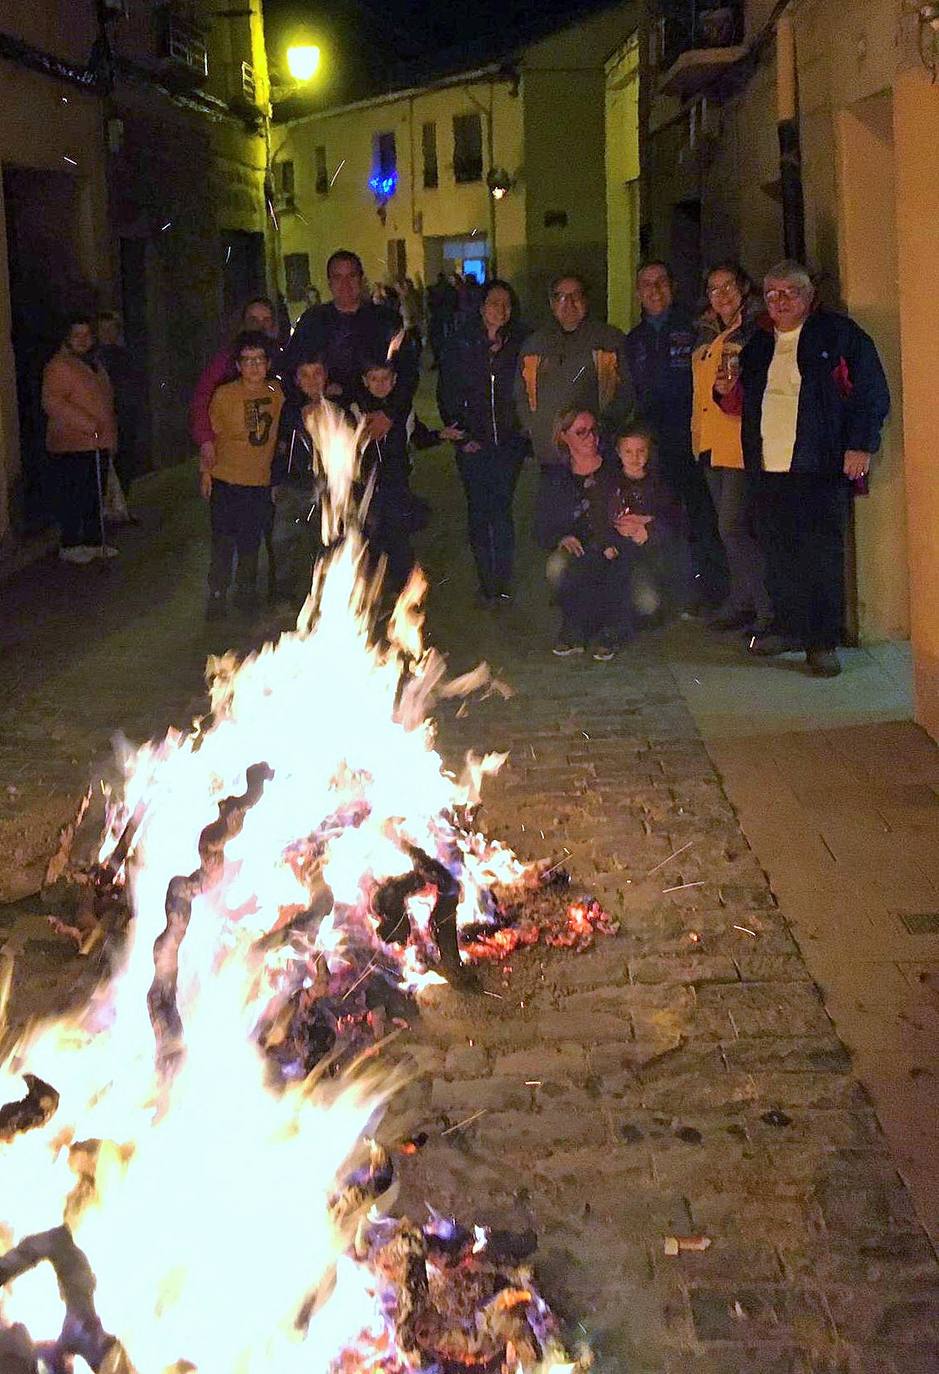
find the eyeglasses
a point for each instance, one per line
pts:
(727, 288)
(561, 296)
(583, 433)
(777, 295)
(253, 360)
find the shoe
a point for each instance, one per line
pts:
(216, 608)
(604, 652)
(564, 647)
(769, 645)
(105, 551)
(731, 618)
(823, 662)
(77, 553)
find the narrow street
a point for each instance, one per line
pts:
(685, 1078)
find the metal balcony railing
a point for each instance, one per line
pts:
(249, 84)
(688, 24)
(184, 45)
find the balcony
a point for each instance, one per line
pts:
(699, 42)
(182, 46)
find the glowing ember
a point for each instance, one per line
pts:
(296, 866)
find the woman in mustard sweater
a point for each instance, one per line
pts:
(725, 327)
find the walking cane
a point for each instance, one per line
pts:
(100, 502)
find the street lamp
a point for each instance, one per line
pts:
(303, 60)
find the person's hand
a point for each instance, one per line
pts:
(205, 484)
(640, 535)
(207, 454)
(856, 463)
(471, 446)
(629, 524)
(377, 425)
(610, 553)
(723, 384)
(333, 390)
(571, 544)
(453, 434)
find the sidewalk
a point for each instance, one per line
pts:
(684, 1078)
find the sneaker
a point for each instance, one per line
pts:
(604, 652)
(215, 607)
(769, 645)
(105, 551)
(78, 553)
(823, 662)
(564, 647)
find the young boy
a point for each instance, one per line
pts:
(237, 483)
(646, 523)
(393, 512)
(296, 480)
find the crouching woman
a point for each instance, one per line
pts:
(590, 583)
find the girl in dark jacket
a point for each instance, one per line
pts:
(475, 397)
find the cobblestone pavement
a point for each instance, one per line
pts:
(680, 1079)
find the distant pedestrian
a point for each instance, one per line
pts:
(574, 363)
(659, 353)
(591, 584)
(475, 396)
(244, 415)
(81, 435)
(441, 313)
(348, 333)
(813, 399)
(726, 325)
(127, 383)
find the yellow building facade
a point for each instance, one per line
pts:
(868, 118)
(532, 128)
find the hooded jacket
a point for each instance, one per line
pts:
(843, 401)
(560, 370)
(475, 387)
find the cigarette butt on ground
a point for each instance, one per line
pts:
(677, 1245)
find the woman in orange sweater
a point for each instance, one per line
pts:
(81, 433)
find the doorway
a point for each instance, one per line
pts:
(243, 273)
(46, 285)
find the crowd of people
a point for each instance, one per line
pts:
(697, 465)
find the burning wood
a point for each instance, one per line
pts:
(34, 1110)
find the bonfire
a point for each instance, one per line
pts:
(189, 1174)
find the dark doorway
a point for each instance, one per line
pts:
(243, 275)
(45, 286)
(684, 250)
(135, 314)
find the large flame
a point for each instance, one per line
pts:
(201, 1200)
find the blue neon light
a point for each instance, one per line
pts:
(383, 185)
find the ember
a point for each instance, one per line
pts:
(298, 867)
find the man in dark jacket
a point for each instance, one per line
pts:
(658, 352)
(350, 332)
(813, 399)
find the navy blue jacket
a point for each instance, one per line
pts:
(582, 506)
(475, 387)
(660, 365)
(843, 401)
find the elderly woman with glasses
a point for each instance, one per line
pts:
(591, 584)
(726, 325)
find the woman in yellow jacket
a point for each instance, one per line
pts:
(724, 329)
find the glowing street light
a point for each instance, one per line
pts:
(303, 61)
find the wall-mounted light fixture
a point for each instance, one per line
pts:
(499, 182)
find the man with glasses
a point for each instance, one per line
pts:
(574, 363)
(813, 399)
(659, 353)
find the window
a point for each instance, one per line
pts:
(467, 148)
(320, 170)
(429, 147)
(386, 156)
(285, 179)
(397, 259)
(297, 274)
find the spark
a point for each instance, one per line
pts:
(460, 1124)
(669, 859)
(358, 980)
(585, 735)
(533, 754)
(494, 994)
(532, 1082)
(228, 255)
(681, 887)
(72, 162)
(746, 930)
(167, 225)
(579, 374)
(336, 173)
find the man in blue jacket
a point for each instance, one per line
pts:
(658, 352)
(813, 399)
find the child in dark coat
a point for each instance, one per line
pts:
(393, 512)
(647, 528)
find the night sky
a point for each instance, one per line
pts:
(374, 45)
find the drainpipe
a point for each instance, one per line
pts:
(790, 147)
